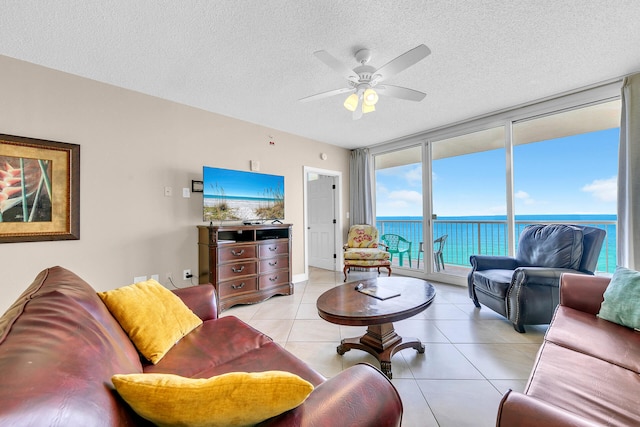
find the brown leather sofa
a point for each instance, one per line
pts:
(59, 347)
(587, 371)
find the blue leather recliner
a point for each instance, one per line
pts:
(525, 289)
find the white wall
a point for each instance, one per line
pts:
(131, 147)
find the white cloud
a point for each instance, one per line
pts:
(381, 189)
(406, 196)
(525, 197)
(605, 190)
(414, 176)
(400, 203)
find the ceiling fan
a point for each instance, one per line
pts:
(362, 80)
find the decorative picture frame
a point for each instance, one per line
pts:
(39, 190)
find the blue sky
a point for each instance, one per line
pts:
(572, 175)
(240, 183)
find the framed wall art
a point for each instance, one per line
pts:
(39, 190)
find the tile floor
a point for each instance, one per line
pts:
(472, 355)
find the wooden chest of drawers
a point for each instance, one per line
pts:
(246, 263)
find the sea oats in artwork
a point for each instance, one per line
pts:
(25, 189)
(234, 195)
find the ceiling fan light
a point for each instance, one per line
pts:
(351, 103)
(366, 108)
(370, 97)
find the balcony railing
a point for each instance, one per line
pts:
(473, 237)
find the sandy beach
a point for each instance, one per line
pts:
(240, 208)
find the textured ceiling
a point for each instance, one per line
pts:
(253, 59)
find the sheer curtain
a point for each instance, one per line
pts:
(361, 196)
(628, 249)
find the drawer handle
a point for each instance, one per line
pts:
(237, 270)
(274, 278)
(240, 286)
(273, 249)
(233, 252)
(272, 264)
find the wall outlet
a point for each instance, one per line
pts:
(155, 277)
(186, 274)
(139, 279)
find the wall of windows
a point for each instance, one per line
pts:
(486, 179)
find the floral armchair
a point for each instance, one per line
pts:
(363, 250)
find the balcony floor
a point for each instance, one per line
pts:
(450, 269)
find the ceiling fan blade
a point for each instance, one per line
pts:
(401, 63)
(401, 92)
(357, 113)
(331, 62)
(326, 94)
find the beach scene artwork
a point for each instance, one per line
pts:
(232, 195)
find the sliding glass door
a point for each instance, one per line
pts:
(468, 198)
(399, 213)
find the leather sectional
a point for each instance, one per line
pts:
(60, 346)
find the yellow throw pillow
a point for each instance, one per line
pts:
(233, 399)
(154, 317)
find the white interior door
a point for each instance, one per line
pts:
(321, 221)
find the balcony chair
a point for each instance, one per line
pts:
(397, 245)
(363, 250)
(525, 289)
(438, 246)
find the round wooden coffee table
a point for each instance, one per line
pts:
(344, 305)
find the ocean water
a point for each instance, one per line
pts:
(487, 235)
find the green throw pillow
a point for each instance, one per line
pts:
(621, 303)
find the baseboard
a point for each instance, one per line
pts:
(297, 278)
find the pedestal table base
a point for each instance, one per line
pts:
(382, 342)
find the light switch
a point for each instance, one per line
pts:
(186, 193)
